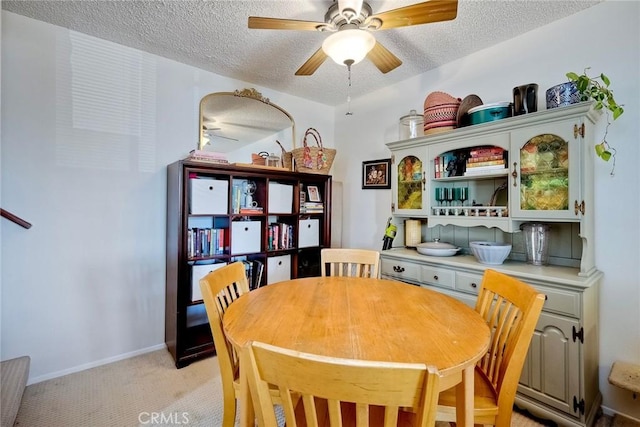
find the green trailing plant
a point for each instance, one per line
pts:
(597, 89)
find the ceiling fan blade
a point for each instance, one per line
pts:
(383, 58)
(257, 22)
(312, 63)
(416, 14)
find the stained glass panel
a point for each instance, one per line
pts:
(544, 173)
(410, 183)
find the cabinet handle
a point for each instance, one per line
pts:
(398, 269)
(424, 181)
(435, 277)
(514, 174)
(578, 207)
(473, 285)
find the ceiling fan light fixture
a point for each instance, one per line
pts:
(348, 45)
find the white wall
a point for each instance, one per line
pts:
(606, 38)
(84, 161)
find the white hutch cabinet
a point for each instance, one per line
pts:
(547, 178)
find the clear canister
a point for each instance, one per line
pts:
(273, 160)
(536, 243)
(411, 125)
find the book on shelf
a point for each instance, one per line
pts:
(449, 164)
(205, 242)
(485, 163)
(253, 270)
(251, 210)
(280, 236)
(486, 151)
(312, 207)
(209, 157)
(236, 198)
(485, 170)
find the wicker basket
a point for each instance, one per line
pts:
(440, 112)
(286, 160)
(313, 159)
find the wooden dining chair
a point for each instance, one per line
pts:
(350, 262)
(325, 391)
(220, 288)
(511, 308)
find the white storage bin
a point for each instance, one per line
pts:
(278, 268)
(208, 196)
(198, 271)
(308, 233)
(245, 237)
(280, 198)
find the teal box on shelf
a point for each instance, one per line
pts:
(489, 112)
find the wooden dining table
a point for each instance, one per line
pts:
(365, 319)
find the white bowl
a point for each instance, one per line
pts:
(437, 248)
(490, 253)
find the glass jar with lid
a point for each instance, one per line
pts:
(411, 125)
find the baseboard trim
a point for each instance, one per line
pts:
(95, 364)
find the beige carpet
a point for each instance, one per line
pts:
(142, 391)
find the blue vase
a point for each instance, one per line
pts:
(562, 94)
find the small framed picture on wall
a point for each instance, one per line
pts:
(376, 174)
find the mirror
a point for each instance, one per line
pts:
(232, 121)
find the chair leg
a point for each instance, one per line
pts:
(229, 410)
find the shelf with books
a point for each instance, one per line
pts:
(218, 214)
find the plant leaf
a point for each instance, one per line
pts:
(572, 76)
(600, 148)
(617, 112)
(606, 156)
(605, 79)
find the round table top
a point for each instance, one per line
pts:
(360, 318)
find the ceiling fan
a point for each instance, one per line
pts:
(351, 22)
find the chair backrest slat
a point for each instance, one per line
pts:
(322, 389)
(350, 262)
(511, 308)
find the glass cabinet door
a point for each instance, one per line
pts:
(545, 168)
(409, 183)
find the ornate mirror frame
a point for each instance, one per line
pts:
(233, 120)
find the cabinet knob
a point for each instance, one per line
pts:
(398, 269)
(435, 277)
(246, 229)
(474, 285)
(308, 225)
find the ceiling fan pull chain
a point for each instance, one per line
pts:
(348, 64)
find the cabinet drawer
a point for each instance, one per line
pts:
(245, 237)
(469, 283)
(559, 301)
(278, 268)
(438, 277)
(198, 271)
(308, 233)
(400, 270)
(208, 196)
(280, 198)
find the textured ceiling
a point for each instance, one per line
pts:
(213, 35)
